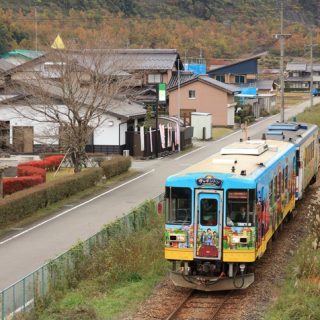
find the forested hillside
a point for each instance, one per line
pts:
(217, 28)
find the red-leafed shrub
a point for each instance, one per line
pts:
(11, 185)
(36, 164)
(53, 162)
(31, 171)
(49, 163)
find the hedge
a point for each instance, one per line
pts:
(48, 163)
(23, 203)
(31, 171)
(115, 165)
(12, 185)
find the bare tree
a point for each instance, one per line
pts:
(70, 92)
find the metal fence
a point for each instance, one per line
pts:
(24, 294)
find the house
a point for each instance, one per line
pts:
(262, 97)
(24, 134)
(18, 134)
(299, 76)
(243, 72)
(198, 93)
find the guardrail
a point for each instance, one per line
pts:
(24, 294)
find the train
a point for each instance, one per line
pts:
(222, 213)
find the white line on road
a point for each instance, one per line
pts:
(190, 153)
(75, 207)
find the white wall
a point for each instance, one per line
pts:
(109, 135)
(104, 135)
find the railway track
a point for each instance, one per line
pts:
(207, 306)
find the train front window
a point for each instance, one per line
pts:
(240, 207)
(209, 212)
(178, 205)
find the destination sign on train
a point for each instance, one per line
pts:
(209, 181)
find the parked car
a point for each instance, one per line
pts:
(316, 92)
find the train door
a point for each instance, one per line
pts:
(208, 225)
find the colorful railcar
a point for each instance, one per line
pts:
(222, 212)
(305, 137)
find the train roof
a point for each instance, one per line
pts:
(296, 132)
(242, 158)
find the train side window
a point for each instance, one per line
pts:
(271, 192)
(286, 174)
(178, 205)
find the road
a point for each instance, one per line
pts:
(28, 249)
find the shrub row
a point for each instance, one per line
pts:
(49, 163)
(30, 174)
(12, 185)
(115, 165)
(31, 171)
(23, 203)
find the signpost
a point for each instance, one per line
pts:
(161, 100)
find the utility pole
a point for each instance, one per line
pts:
(311, 45)
(179, 148)
(281, 36)
(36, 27)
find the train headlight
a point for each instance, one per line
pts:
(235, 240)
(181, 238)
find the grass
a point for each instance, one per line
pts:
(310, 115)
(292, 98)
(299, 297)
(53, 208)
(218, 133)
(114, 281)
(63, 172)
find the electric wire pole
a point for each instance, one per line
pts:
(179, 148)
(36, 27)
(281, 36)
(311, 45)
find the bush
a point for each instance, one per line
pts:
(12, 185)
(115, 166)
(31, 171)
(48, 163)
(23, 203)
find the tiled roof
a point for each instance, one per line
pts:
(121, 107)
(264, 84)
(135, 59)
(5, 65)
(224, 86)
(206, 79)
(316, 67)
(184, 76)
(296, 67)
(29, 54)
(127, 109)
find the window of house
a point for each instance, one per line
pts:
(192, 94)
(240, 79)
(154, 78)
(220, 78)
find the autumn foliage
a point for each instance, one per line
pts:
(30, 173)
